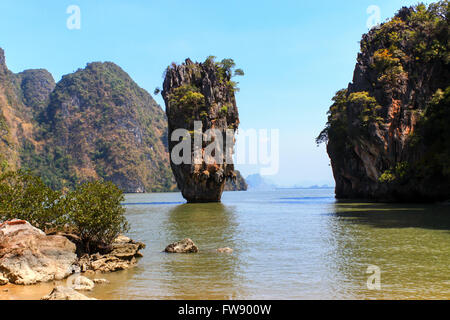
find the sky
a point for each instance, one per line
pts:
(295, 54)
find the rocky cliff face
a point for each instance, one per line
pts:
(201, 92)
(387, 133)
(96, 123)
(100, 124)
(238, 184)
(21, 97)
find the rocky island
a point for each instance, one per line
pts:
(202, 92)
(388, 134)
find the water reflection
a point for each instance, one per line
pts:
(407, 242)
(208, 274)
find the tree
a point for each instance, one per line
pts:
(96, 214)
(24, 196)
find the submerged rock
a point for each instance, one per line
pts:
(65, 293)
(225, 250)
(28, 255)
(202, 93)
(78, 282)
(100, 281)
(183, 246)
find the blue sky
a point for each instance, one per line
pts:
(296, 55)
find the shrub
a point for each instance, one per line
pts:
(24, 196)
(95, 213)
(93, 210)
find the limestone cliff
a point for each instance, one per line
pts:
(388, 133)
(96, 123)
(22, 97)
(238, 184)
(202, 92)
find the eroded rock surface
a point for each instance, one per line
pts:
(201, 92)
(28, 256)
(122, 255)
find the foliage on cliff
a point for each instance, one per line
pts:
(387, 133)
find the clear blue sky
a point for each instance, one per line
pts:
(296, 55)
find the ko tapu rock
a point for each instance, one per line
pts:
(200, 98)
(388, 133)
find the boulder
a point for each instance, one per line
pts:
(28, 255)
(183, 246)
(78, 282)
(65, 293)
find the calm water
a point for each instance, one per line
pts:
(288, 244)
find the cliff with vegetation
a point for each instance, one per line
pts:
(202, 92)
(96, 123)
(388, 134)
(237, 184)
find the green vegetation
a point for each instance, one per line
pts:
(95, 213)
(24, 196)
(225, 71)
(336, 127)
(433, 131)
(367, 106)
(187, 97)
(399, 174)
(92, 211)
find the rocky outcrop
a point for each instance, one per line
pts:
(28, 256)
(183, 246)
(121, 256)
(65, 293)
(202, 93)
(238, 184)
(387, 134)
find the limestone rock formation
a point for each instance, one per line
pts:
(238, 184)
(202, 92)
(388, 134)
(28, 256)
(183, 246)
